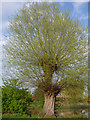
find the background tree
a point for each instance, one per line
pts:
(45, 45)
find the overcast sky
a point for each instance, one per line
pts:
(79, 8)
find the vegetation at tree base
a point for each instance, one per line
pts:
(15, 100)
(35, 104)
(19, 101)
(48, 50)
(38, 95)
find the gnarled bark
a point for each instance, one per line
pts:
(49, 104)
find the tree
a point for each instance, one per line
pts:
(45, 45)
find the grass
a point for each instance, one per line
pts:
(72, 111)
(75, 107)
(16, 115)
(73, 116)
(37, 116)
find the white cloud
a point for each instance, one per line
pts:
(78, 9)
(11, 7)
(61, 3)
(0, 8)
(2, 43)
(84, 17)
(0, 27)
(77, 6)
(0, 17)
(28, 4)
(5, 25)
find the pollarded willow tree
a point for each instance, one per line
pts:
(47, 49)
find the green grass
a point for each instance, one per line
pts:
(79, 107)
(73, 116)
(71, 107)
(71, 111)
(17, 115)
(35, 116)
(74, 109)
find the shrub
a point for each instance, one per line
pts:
(15, 100)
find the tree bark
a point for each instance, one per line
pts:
(49, 104)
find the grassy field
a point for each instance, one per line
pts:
(74, 111)
(17, 115)
(37, 116)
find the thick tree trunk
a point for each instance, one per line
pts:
(49, 104)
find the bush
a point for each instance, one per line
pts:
(15, 100)
(38, 101)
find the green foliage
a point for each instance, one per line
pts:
(75, 83)
(43, 40)
(15, 100)
(58, 99)
(38, 101)
(39, 96)
(47, 49)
